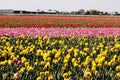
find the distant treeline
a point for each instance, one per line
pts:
(79, 12)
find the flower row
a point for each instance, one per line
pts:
(55, 58)
(60, 31)
(58, 21)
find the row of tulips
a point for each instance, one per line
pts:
(58, 21)
(60, 31)
(59, 58)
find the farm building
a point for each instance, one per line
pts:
(6, 11)
(11, 11)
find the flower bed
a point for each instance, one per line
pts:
(59, 48)
(58, 21)
(50, 58)
(60, 31)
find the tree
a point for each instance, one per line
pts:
(87, 13)
(81, 11)
(49, 9)
(73, 12)
(116, 13)
(94, 12)
(106, 13)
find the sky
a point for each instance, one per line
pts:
(61, 5)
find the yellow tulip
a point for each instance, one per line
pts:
(94, 69)
(17, 42)
(70, 50)
(75, 64)
(23, 59)
(76, 50)
(57, 54)
(21, 70)
(47, 65)
(55, 61)
(4, 76)
(54, 51)
(65, 75)
(27, 64)
(87, 74)
(25, 52)
(4, 54)
(9, 62)
(3, 63)
(39, 78)
(75, 54)
(118, 74)
(47, 73)
(117, 45)
(50, 78)
(86, 49)
(29, 68)
(73, 60)
(117, 68)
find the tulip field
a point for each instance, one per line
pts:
(59, 21)
(59, 48)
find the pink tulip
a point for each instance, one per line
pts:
(60, 31)
(16, 75)
(19, 63)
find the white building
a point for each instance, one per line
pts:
(6, 11)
